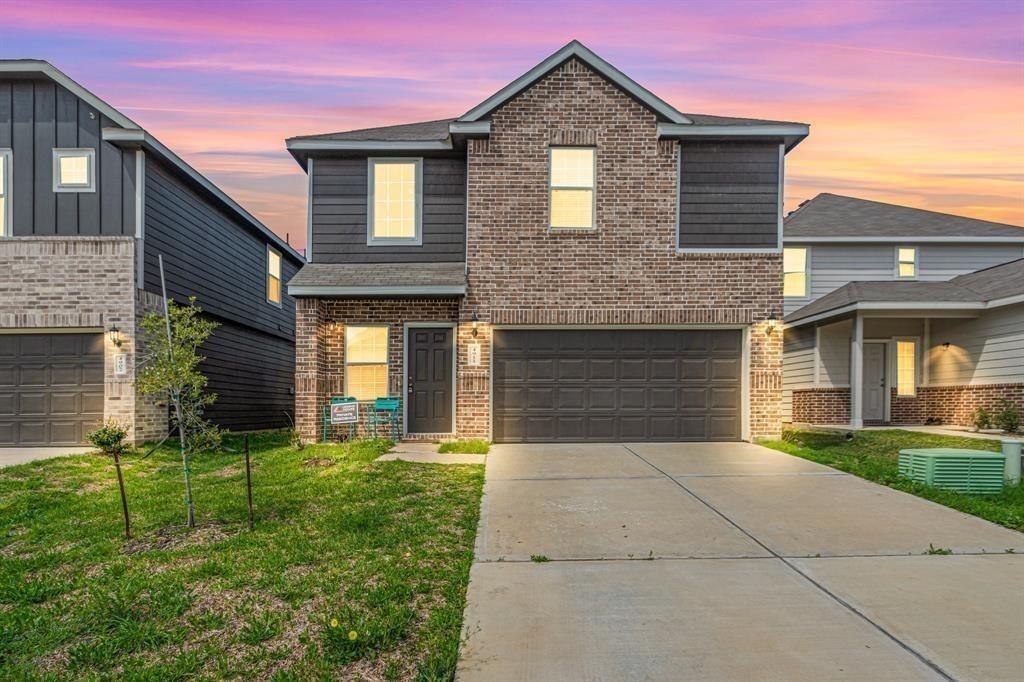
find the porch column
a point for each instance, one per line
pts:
(857, 372)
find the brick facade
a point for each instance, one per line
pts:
(953, 404)
(82, 283)
(821, 406)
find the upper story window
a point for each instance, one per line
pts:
(273, 276)
(366, 362)
(794, 271)
(906, 262)
(572, 187)
(5, 192)
(395, 210)
(74, 170)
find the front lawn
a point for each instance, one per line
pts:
(356, 569)
(470, 446)
(873, 455)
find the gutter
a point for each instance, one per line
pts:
(412, 290)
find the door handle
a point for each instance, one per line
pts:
(410, 388)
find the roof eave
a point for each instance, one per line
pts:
(792, 134)
(892, 306)
(374, 291)
(903, 239)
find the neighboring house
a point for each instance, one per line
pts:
(572, 260)
(88, 201)
(883, 323)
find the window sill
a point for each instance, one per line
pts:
(395, 242)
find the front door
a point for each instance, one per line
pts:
(874, 381)
(430, 380)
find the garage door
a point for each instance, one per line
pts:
(617, 385)
(51, 388)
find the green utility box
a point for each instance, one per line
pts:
(979, 472)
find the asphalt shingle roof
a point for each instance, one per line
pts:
(377, 275)
(834, 215)
(423, 131)
(1000, 281)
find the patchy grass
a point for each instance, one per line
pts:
(874, 455)
(472, 446)
(356, 569)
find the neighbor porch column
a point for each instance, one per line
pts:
(857, 372)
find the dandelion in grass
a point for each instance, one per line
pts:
(353, 635)
(334, 622)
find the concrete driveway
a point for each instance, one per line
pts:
(12, 456)
(725, 562)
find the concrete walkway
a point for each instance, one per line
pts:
(12, 456)
(426, 453)
(728, 561)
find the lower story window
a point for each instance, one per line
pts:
(366, 362)
(906, 368)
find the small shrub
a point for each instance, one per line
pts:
(981, 418)
(109, 437)
(1008, 416)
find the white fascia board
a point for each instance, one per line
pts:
(1009, 300)
(890, 305)
(151, 144)
(964, 239)
(53, 73)
(424, 290)
(367, 145)
(469, 127)
(791, 133)
(584, 54)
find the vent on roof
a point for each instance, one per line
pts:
(967, 471)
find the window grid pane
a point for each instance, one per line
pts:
(572, 168)
(906, 368)
(366, 344)
(794, 260)
(366, 382)
(273, 289)
(394, 200)
(572, 208)
(794, 284)
(74, 170)
(274, 264)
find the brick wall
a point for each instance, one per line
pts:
(320, 347)
(821, 406)
(952, 404)
(51, 283)
(627, 271)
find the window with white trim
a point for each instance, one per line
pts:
(74, 170)
(5, 192)
(273, 276)
(906, 367)
(366, 362)
(394, 208)
(573, 197)
(794, 271)
(906, 262)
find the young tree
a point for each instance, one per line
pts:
(108, 438)
(170, 369)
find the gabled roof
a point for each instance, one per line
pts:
(443, 134)
(836, 218)
(372, 279)
(132, 134)
(988, 288)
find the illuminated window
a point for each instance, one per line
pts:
(273, 276)
(394, 206)
(572, 187)
(794, 271)
(74, 170)
(906, 262)
(366, 362)
(906, 368)
(5, 192)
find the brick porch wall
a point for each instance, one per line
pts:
(320, 349)
(82, 283)
(952, 404)
(626, 271)
(821, 406)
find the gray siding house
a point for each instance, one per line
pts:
(886, 321)
(88, 202)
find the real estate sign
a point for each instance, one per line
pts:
(345, 413)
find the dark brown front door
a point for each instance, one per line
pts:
(430, 380)
(617, 385)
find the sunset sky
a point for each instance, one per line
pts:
(918, 103)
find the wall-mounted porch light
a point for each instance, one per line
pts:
(476, 322)
(114, 334)
(773, 323)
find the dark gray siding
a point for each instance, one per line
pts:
(252, 374)
(209, 254)
(728, 195)
(339, 213)
(35, 117)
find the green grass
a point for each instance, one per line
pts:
(472, 446)
(356, 569)
(874, 455)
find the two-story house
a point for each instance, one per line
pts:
(89, 202)
(573, 259)
(899, 315)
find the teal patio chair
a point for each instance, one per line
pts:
(385, 412)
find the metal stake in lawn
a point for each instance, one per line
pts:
(175, 396)
(248, 478)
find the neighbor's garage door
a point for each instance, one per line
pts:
(617, 385)
(51, 388)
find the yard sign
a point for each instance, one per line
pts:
(345, 413)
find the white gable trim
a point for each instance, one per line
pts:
(578, 50)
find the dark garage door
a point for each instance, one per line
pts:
(51, 388)
(616, 385)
